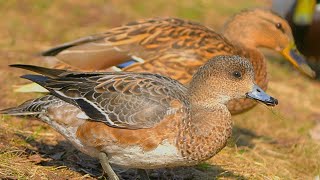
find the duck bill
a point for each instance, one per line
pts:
(292, 54)
(259, 95)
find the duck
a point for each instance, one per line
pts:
(177, 48)
(304, 19)
(143, 120)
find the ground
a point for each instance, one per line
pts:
(267, 143)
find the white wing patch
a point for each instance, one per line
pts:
(115, 68)
(137, 59)
(82, 115)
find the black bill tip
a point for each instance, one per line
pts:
(259, 95)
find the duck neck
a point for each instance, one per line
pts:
(205, 131)
(248, 47)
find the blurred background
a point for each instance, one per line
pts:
(278, 143)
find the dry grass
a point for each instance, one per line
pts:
(267, 143)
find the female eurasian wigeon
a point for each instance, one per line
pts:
(142, 120)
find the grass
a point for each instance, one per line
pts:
(267, 143)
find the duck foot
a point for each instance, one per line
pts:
(143, 174)
(106, 166)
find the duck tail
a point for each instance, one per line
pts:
(18, 111)
(53, 73)
(39, 79)
(32, 107)
(21, 110)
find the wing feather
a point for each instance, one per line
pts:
(143, 40)
(123, 99)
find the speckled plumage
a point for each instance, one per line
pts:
(143, 120)
(176, 47)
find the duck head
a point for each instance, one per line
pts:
(224, 78)
(263, 28)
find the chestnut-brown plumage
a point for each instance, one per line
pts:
(176, 47)
(142, 120)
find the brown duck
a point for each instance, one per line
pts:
(176, 47)
(143, 120)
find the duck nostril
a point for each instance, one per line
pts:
(258, 90)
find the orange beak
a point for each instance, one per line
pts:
(292, 54)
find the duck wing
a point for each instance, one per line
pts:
(159, 38)
(118, 99)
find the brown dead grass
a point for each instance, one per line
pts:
(267, 143)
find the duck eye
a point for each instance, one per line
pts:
(278, 25)
(236, 74)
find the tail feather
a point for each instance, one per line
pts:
(21, 110)
(41, 80)
(41, 70)
(32, 107)
(18, 111)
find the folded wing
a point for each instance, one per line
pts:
(124, 100)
